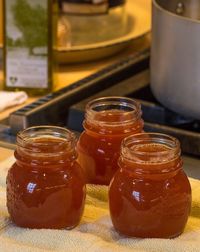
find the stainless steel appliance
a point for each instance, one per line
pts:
(175, 55)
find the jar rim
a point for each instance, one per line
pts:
(170, 151)
(129, 107)
(25, 136)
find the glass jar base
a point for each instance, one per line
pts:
(158, 236)
(30, 226)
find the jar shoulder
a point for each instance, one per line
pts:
(88, 140)
(149, 186)
(43, 177)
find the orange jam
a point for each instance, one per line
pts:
(45, 186)
(150, 195)
(107, 122)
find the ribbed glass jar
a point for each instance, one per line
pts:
(45, 186)
(150, 195)
(107, 122)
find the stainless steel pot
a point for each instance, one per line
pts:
(175, 55)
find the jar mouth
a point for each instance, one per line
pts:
(113, 111)
(151, 148)
(61, 139)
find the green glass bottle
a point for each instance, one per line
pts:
(28, 46)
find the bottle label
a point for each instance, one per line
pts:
(26, 41)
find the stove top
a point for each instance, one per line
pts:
(165, 116)
(157, 118)
(129, 77)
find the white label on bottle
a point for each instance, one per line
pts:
(27, 43)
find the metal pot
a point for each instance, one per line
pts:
(175, 55)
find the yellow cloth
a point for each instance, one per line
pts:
(95, 232)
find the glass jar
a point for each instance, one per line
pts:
(84, 22)
(150, 195)
(107, 122)
(45, 186)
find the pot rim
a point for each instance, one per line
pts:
(186, 19)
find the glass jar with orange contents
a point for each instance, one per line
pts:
(150, 195)
(45, 186)
(107, 122)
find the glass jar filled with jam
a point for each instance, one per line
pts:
(107, 122)
(150, 195)
(45, 186)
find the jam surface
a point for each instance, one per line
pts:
(99, 145)
(150, 200)
(45, 187)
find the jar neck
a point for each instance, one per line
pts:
(151, 153)
(45, 146)
(113, 114)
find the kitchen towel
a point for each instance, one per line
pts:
(95, 232)
(9, 99)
